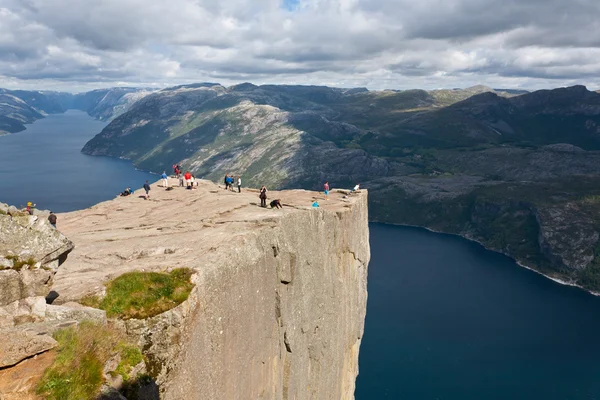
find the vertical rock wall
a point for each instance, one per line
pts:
(282, 317)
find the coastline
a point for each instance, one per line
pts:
(519, 263)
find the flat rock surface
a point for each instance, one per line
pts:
(176, 228)
(19, 382)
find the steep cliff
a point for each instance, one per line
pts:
(280, 298)
(520, 174)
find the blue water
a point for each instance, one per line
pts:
(44, 165)
(449, 320)
(446, 319)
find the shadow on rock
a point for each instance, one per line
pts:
(143, 388)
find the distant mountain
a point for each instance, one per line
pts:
(106, 104)
(521, 174)
(21, 107)
(16, 112)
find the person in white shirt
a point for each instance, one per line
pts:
(357, 187)
(239, 184)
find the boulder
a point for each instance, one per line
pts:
(17, 285)
(18, 345)
(31, 251)
(32, 309)
(74, 312)
(31, 236)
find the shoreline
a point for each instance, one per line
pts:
(519, 263)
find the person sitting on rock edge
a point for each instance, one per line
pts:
(52, 219)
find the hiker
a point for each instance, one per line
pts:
(263, 196)
(315, 204)
(326, 190)
(175, 170)
(30, 208)
(147, 189)
(165, 179)
(239, 184)
(193, 181)
(188, 179)
(357, 187)
(52, 219)
(276, 204)
(229, 182)
(181, 180)
(126, 192)
(225, 180)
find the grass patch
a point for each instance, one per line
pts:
(142, 295)
(82, 352)
(18, 264)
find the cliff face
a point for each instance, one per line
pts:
(280, 299)
(519, 174)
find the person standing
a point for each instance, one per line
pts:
(30, 208)
(52, 219)
(188, 179)
(147, 189)
(263, 196)
(239, 184)
(326, 190)
(165, 179)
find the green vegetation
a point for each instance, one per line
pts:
(143, 295)
(77, 372)
(18, 264)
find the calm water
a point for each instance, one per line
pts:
(43, 164)
(450, 320)
(446, 319)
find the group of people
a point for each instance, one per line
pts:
(230, 180)
(51, 218)
(189, 181)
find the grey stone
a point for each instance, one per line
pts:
(5, 263)
(74, 312)
(18, 345)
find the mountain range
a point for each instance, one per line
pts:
(21, 107)
(517, 171)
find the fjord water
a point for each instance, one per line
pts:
(44, 165)
(449, 320)
(446, 319)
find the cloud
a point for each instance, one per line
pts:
(79, 44)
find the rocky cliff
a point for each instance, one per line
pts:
(279, 302)
(519, 174)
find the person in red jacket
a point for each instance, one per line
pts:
(188, 179)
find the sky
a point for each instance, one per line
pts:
(77, 45)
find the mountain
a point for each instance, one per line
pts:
(520, 174)
(18, 107)
(21, 107)
(106, 104)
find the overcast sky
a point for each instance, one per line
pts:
(82, 44)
